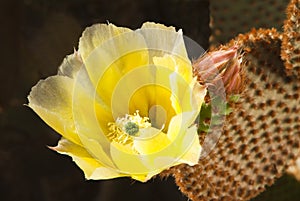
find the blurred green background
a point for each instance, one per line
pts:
(36, 36)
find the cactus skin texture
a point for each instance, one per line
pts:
(290, 49)
(261, 136)
(290, 53)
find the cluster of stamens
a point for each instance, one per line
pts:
(125, 128)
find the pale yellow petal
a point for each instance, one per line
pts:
(105, 173)
(161, 39)
(92, 168)
(127, 162)
(185, 90)
(110, 61)
(91, 117)
(156, 103)
(124, 148)
(182, 67)
(66, 146)
(90, 114)
(186, 96)
(141, 178)
(181, 94)
(180, 123)
(182, 149)
(199, 93)
(94, 36)
(146, 177)
(97, 152)
(70, 65)
(153, 25)
(151, 141)
(156, 152)
(51, 99)
(142, 89)
(192, 154)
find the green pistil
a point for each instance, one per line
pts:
(131, 128)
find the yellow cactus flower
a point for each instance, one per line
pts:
(125, 103)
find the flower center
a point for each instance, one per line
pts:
(125, 128)
(131, 128)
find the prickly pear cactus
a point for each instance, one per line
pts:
(261, 136)
(290, 49)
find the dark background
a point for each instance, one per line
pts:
(35, 37)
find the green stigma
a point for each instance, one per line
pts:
(131, 128)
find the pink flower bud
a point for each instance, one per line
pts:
(223, 64)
